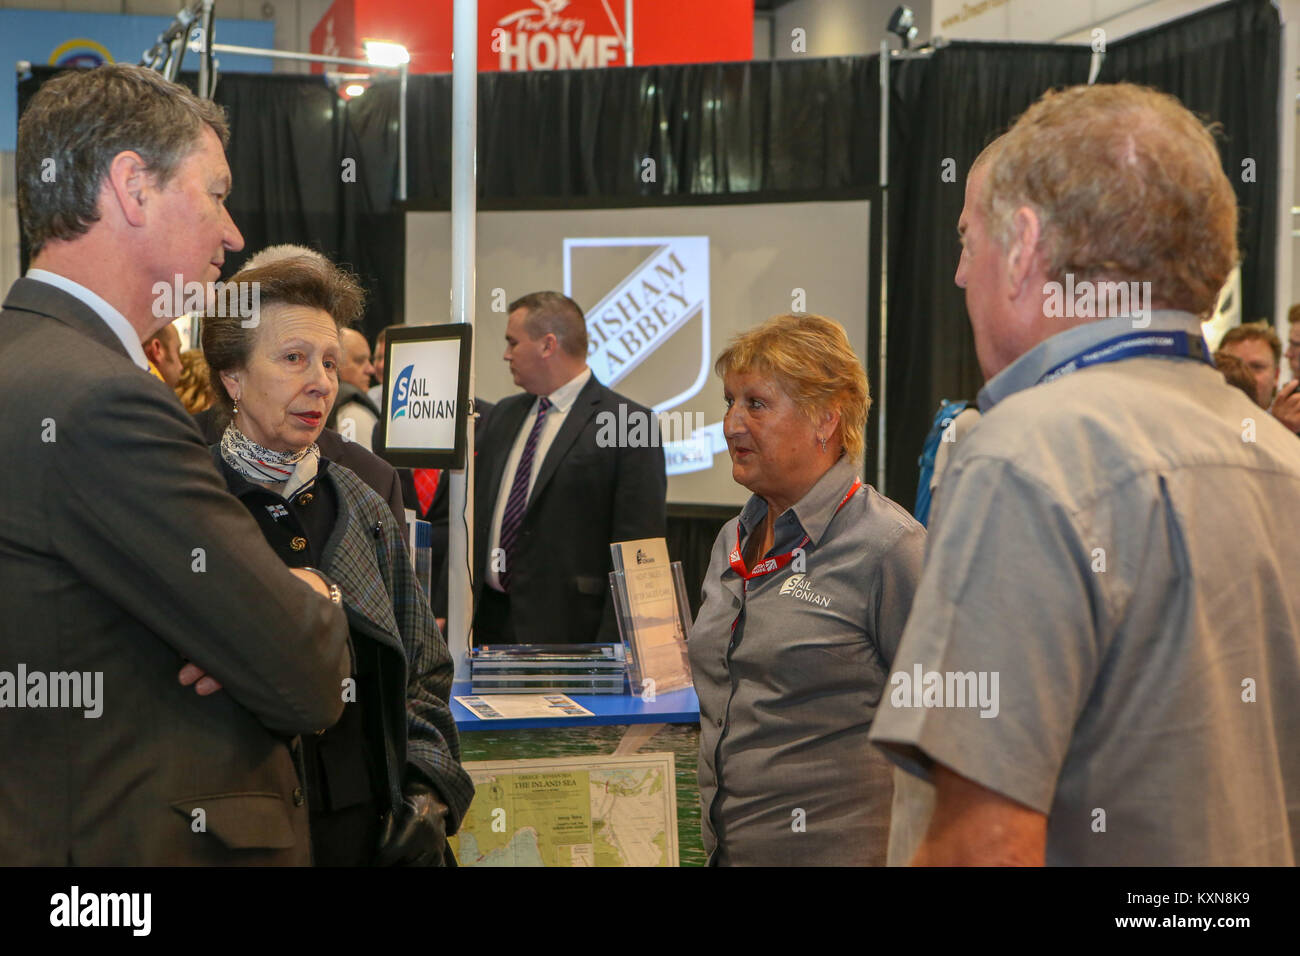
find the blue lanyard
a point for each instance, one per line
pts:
(1132, 345)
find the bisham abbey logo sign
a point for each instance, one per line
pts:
(644, 310)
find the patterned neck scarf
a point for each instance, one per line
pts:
(295, 470)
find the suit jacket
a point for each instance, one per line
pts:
(369, 467)
(122, 554)
(584, 498)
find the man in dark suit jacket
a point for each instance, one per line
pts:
(122, 555)
(549, 498)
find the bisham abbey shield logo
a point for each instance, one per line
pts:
(648, 332)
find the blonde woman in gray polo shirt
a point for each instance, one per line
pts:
(804, 604)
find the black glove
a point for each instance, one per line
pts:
(415, 834)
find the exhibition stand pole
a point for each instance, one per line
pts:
(1288, 102)
(881, 375)
(882, 363)
(464, 198)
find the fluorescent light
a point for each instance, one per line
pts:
(382, 53)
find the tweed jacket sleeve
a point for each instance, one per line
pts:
(394, 600)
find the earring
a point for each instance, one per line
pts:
(234, 410)
(823, 441)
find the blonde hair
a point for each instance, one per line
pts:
(192, 388)
(810, 358)
(1128, 185)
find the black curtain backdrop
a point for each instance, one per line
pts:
(758, 131)
(1223, 63)
(949, 108)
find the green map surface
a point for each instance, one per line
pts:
(578, 811)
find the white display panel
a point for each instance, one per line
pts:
(663, 289)
(422, 404)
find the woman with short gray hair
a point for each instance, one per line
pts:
(384, 785)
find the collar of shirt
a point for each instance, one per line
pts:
(811, 514)
(114, 319)
(1025, 371)
(564, 396)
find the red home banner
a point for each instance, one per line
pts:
(546, 34)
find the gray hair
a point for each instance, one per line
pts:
(285, 250)
(79, 121)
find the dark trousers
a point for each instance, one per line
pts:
(345, 837)
(493, 623)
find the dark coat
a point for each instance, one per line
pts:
(365, 555)
(585, 497)
(121, 552)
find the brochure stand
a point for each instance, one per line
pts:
(654, 622)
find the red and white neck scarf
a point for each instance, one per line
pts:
(293, 471)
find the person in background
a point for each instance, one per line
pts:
(1237, 374)
(163, 350)
(192, 388)
(1258, 348)
(549, 497)
(1080, 678)
(1286, 407)
(385, 784)
(355, 417)
(952, 422)
(802, 608)
(377, 359)
(1293, 340)
(120, 548)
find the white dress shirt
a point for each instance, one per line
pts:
(562, 400)
(114, 319)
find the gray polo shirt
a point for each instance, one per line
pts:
(1120, 547)
(787, 775)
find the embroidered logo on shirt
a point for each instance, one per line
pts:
(801, 586)
(277, 511)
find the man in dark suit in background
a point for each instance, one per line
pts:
(549, 498)
(122, 555)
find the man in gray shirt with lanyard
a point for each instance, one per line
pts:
(1101, 662)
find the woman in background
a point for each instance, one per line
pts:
(193, 389)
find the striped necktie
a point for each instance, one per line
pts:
(518, 500)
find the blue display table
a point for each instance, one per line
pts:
(677, 707)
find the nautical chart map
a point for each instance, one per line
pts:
(571, 811)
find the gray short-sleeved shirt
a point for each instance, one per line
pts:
(1121, 546)
(787, 775)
